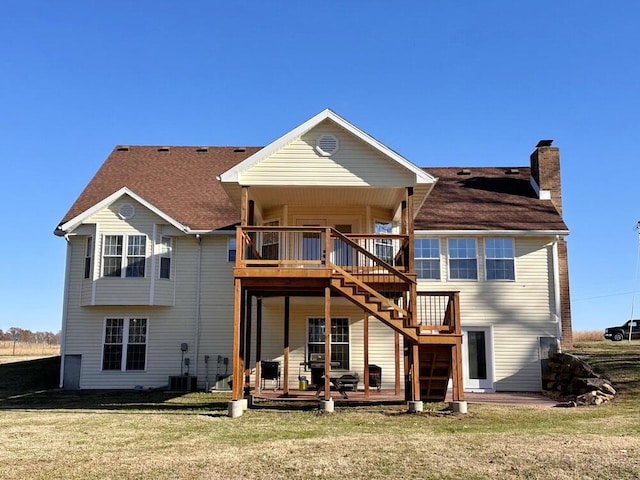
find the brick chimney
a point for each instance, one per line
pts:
(545, 172)
(545, 179)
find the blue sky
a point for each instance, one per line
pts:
(461, 83)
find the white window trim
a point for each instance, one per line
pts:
(124, 257)
(478, 263)
(486, 269)
(125, 343)
(439, 258)
(340, 343)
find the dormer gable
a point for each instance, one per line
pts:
(125, 210)
(327, 151)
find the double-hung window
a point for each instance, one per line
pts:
(124, 255)
(463, 261)
(384, 246)
(271, 242)
(165, 257)
(499, 258)
(339, 340)
(88, 256)
(125, 344)
(427, 253)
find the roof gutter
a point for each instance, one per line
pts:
(511, 233)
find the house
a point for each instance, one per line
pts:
(193, 267)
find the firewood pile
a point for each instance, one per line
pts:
(572, 380)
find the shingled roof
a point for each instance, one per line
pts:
(486, 199)
(180, 181)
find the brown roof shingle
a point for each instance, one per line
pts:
(486, 199)
(181, 182)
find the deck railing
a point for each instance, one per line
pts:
(378, 261)
(438, 311)
(307, 246)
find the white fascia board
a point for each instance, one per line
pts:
(213, 232)
(69, 226)
(501, 233)
(234, 174)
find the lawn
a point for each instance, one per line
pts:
(157, 435)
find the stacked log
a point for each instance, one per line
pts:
(571, 379)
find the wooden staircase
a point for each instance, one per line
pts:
(373, 302)
(435, 360)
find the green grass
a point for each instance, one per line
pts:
(57, 435)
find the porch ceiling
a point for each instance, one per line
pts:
(271, 197)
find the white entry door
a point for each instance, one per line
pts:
(477, 354)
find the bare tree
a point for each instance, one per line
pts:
(15, 336)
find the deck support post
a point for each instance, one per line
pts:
(241, 357)
(258, 386)
(397, 362)
(365, 321)
(456, 354)
(287, 302)
(236, 391)
(411, 265)
(327, 343)
(247, 348)
(415, 372)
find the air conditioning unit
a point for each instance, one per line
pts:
(223, 383)
(183, 383)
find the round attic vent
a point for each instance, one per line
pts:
(327, 145)
(126, 211)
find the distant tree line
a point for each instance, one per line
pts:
(15, 334)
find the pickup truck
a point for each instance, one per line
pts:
(620, 333)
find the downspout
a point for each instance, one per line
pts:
(556, 291)
(198, 286)
(65, 309)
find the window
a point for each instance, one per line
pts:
(112, 256)
(231, 250)
(125, 344)
(165, 257)
(115, 264)
(339, 340)
(136, 250)
(384, 247)
(271, 242)
(427, 253)
(88, 256)
(499, 259)
(463, 264)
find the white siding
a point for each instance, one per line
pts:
(127, 291)
(355, 164)
(519, 311)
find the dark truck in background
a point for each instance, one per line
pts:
(618, 334)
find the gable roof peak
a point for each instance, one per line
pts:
(234, 174)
